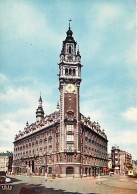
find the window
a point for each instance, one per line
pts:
(70, 147)
(74, 72)
(69, 158)
(70, 72)
(70, 137)
(70, 49)
(86, 138)
(70, 127)
(40, 141)
(50, 140)
(66, 71)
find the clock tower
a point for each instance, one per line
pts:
(69, 86)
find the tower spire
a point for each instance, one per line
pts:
(40, 111)
(69, 24)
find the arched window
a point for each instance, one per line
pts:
(69, 170)
(66, 71)
(70, 71)
(74, 72)
(69, 49)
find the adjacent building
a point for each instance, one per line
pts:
(109, 162)
(6, 161)
(121, 161)
(115, 159)
(64, 143)
(135, 167)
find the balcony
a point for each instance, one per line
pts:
(69, 150)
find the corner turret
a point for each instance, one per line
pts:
(39, 111)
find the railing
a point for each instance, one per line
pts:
(69, 150)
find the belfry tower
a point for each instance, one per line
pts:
(69, 86)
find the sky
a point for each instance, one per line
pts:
(31, 35)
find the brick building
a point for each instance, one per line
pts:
(64, 143)
(121, 161)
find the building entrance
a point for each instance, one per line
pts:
(69, 171)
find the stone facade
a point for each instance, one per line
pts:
(64, 143)
(6, 161)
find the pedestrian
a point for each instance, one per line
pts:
(45, 176)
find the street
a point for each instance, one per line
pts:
(104, 185)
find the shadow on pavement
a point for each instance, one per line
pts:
(38, 189)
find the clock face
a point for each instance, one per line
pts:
(70, 88)
(70, 58)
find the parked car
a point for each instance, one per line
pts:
(111, 173)
(4, 179)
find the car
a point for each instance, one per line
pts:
(4, 179)
(2, 173)
(111, 173)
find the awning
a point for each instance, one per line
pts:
(105, 169)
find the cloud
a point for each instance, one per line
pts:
(127, 140)
(17, 95)
(3, 78)
(29, 24)
(26, 96)
(131, 114)
(123, 137)
(131, 25)
(130, 55)
(105, 14)
(6, 148)
(9, 127)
